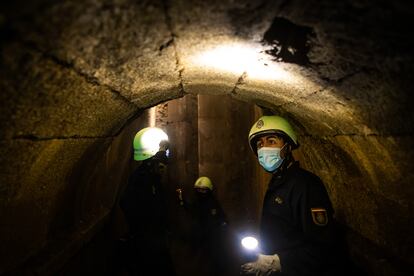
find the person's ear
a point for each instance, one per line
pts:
(287, 149)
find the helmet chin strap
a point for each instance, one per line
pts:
(287, 161)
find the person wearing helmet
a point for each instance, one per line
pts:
(203, 185)
(209, 225)
(144, 207)
(207, 208)
(296, 231)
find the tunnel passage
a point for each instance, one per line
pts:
(74, 73)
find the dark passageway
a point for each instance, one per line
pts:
(79, 78)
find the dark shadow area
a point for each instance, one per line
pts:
(289, 42)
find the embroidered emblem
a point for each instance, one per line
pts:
(279, 200)
(319, 216)
(213, 212)
(259, 124)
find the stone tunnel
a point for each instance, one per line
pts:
(79, 78)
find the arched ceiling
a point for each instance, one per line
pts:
(144, 52)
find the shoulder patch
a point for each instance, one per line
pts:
(319, 216)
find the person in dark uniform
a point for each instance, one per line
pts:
(144, 207)
(209, 225)
(297, 232)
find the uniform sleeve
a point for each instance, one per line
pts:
(221, 216)
(315, 216)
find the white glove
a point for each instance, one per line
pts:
(264, 265)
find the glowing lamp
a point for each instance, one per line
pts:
(250, 243)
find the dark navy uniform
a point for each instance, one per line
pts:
(297, 223)
(208, 214)
(209, 230)
(144, 207)
(143, 202)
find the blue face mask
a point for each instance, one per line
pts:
(269, 158)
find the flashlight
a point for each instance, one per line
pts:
(251, 248)
(250, 243)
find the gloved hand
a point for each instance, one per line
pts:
(264, 265)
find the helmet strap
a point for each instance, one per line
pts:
(287, 161)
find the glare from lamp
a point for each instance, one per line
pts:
(238, 58)
(152, 138)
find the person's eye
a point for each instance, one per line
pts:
(259, 144)
(272, 141)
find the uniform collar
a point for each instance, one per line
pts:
(279, 177)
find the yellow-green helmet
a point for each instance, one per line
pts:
(203, 182)
(147, 142)
(271, 125)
